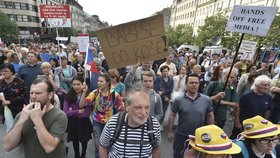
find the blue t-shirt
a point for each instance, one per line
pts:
(252, 104)
(45, 56)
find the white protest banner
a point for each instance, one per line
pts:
(83, 41)
(247, 46)
(254, 20)
(61, 38)
(137, 41)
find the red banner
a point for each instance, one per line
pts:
(54, 11)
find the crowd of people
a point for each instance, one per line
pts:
(203, 99)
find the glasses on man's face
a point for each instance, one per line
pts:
(267, 141)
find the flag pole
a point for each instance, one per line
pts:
(235, 56)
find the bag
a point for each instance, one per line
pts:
(9, 119)
(120, 122)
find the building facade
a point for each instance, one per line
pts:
(194, 12)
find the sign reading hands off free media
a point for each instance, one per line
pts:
(133, 42)
(254, 20)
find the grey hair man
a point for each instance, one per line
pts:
(256, 101)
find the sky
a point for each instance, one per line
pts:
(122, 11)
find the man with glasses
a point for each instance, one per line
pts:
(257, 101)
(261, 137)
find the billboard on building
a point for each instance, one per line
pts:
(55, 15)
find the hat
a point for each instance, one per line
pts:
(213, 140)
(258, 127)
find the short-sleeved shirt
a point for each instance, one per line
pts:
(231, 95)
(104, 106)
(55, 122)
(191, 113)
(132, 149)
(252, 104)
(119, 88)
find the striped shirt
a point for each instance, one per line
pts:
(132, 148)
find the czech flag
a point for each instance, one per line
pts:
(90, 65)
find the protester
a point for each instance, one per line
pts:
(261, 137)
(117, 86)
(164, 87)
(134, 139)
(105, 103)
(39, 127)
(147, 84)
(66, 73)
(194, 109)
(28, 72)
(172, 67)
(79, 126)
(13, 92)
(255, 102)
(275, 93)
(211, 142)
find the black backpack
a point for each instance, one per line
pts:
(120, 122)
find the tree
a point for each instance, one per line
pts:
(215, 26)
(9, 30)
(180, 35)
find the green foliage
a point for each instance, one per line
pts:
(216, 26)
(180, 35)
(92, 33)
(9, 30)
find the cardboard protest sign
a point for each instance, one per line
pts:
(83, 41)
(126, 44)
(254, 20)
(270, 56)
(248, 49)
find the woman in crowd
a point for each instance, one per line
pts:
(13, 88)
(78, 64)
(179, 83)
(79, 125)
(211, 142)
(105, 103)
(164, 87)
(66, 73)
(54, 63)
(197, 70)
(117, 86)
(261, 137)
(48, 74)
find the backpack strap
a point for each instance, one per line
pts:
(151, 132)
(243, 149)
(117, 132)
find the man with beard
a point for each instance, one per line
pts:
(147, 85)
(194, 110)
(40, 126)
(134, 138)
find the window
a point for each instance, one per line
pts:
(23, 6)
(17, 5)
(2, 5)
(12, 17)
(24, 18)
(9, 5)
(19, 17)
